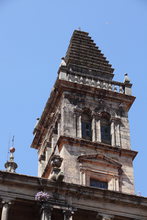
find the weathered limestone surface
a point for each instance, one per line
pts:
(86, 201)
(72, 106)
(72, 168)
(85, 124)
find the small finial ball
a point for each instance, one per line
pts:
(12, 149)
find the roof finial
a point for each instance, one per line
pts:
(10, 165)
(13, 141)
(126, 78)
(79, 28)
(63, 63)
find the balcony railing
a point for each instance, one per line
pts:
(118, 87)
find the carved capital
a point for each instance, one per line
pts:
(6, 203)
(5, 209)
(98, 116)
(46, 207)
(68, 214)
(78, 111)
(104, 217)
(116, 120)
(94, 114)
(46, 211)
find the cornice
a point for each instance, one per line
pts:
(97, 157)
(95, 145)
(56, 95)
(65, 190)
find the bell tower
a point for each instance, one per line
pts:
(83, 135)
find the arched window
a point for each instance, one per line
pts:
(55, 129)
(105, 128)
(86, 126)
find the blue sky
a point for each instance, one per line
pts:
(35, 34)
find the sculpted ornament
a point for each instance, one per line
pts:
(104, 217)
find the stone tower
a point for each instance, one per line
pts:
(83, 134)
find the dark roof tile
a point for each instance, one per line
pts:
(82, 51)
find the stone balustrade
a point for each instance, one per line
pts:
(123, 88)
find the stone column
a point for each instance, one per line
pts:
(79, 126)
(46, 212)
(118, 142)
(68, 214)
(59, 126)
(82, 178)
(98, 129)
(113, 141)
(5, 210)
(93, 129)
(116, 184)
(74, 129)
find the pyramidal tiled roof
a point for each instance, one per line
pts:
(83, 52)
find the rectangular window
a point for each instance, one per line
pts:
(98, 184)
(105, 134)
(86, 130)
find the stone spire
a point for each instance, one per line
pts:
(84, 56)
(10, 165)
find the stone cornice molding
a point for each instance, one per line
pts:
(56, 95)
(96, 145)
(67, 191)
(116, 120)
(99, 157)
(86, 169)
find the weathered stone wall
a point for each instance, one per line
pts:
(75, 103)
(69, 125)
(80, 173)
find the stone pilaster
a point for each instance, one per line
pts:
(117, 184)
(79, 126)
(74, 128)
(93, 128)
(59, 125)
(113, 139)
(117, 133)
(98, 129)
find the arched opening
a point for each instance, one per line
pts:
(105, 128)
(86, 126)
